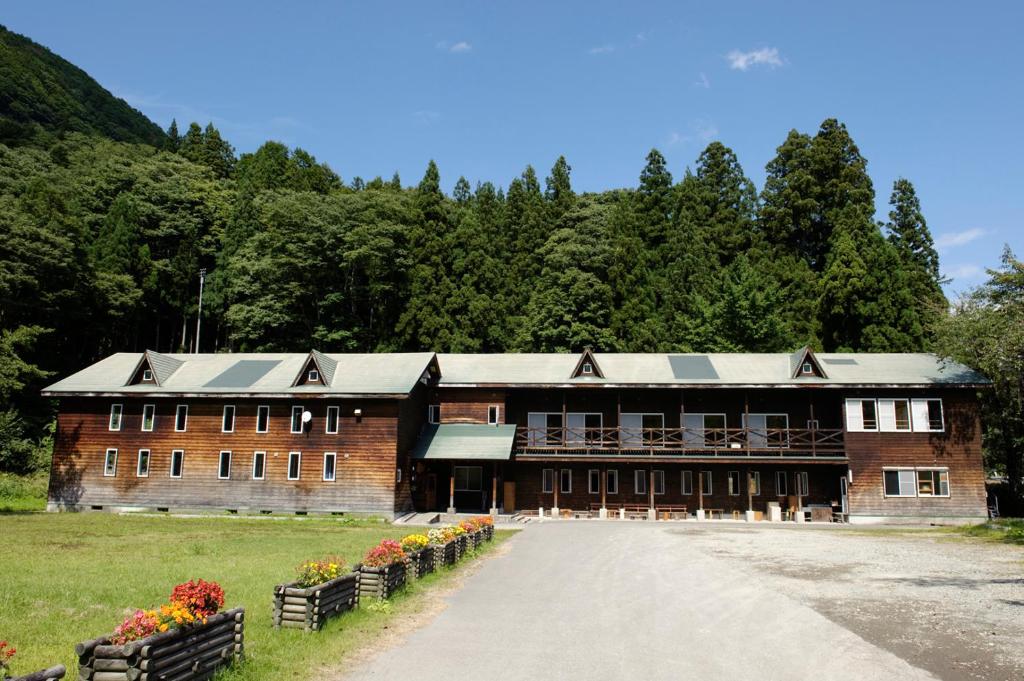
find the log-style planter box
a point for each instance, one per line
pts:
(380, 582)
(309, 608)
(488, 531)
(461, 545)
(420, 563)
(185, 654)
(444, 554)
(51, 674)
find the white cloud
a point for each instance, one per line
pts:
(950, 239)
(461, 46)
(767, 56)
(700, 131)
(702, 81)
(602, 49)
(968, 272)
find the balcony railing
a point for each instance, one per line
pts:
(696, 442)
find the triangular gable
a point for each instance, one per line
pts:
(153, 369)
(432, 374)
(804, 359)
(318, 369)
(587, 366)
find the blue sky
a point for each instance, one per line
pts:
(931, 91)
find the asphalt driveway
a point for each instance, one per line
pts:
(611, 600)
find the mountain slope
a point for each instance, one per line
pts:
(42, 95)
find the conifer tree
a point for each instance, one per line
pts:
(729, 201)
(173, 137)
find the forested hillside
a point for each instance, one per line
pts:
(42, 95)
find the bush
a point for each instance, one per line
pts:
(388, 552)
(414, 542)
(202, 598)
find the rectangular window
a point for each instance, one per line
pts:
(893, 415)
(227, 419)
(181, 418)
(148, 417)
(313, 376)
(262, 418)
(706, 486)
(927, 415)
(330, 458)
(147, 374)
(704, 431)
(332, 420)
(861, 416)
(116, 412)
(544, 429)
(802, 486)
(933, 483)
(659, 482)
(583, 428)
(142, 465)
(177, 462)
(259, 465)
(640, 482)
(493, 412)
(469, 478)
(613, 482)
(755, 484)
(547, 480)
(434, 413)
(588, 368)
(807, 368)
(296, 419)
(110, 463)
(900, 483)
(734, 483)
(294, 465)
(565, 486)
(594, 481)
(687, 483)
(642, 429)
(224, 466)
(767, 431)
(781, 484)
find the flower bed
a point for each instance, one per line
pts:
(419, 555)
(182, 640)
(442, 541)
(7, 654)
(324, 588)
(382, 571)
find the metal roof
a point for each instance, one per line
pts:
(466, 441)
(251, 374)
(740, 369)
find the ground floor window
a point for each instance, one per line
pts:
(547, 480)
(705, 485)
(781, 484)
(177, 462)
(687, 482)
(933, 483)
(910, 482)
(801, 484)
(224, 466)
(734, 483)
(469, 478)
(565, 486)
(659, 482)
(259, 465)
(594, 481)
(640, 482)
(330, 458)
(613, 482)
(755, 483)
(294, 465)
(142, 467)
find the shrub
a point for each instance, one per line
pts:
(200, 598)
(314, 572)
(388, 552)
(414, 542)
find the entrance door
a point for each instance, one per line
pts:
(431, 491)
(843, 488)
(469, 487)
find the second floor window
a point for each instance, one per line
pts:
(332, 420)
(181, 418)
(227, 421)
(493, 412)
(296, 419)
(148, 417)
(434, 413)
(116, 413)
(262, 418)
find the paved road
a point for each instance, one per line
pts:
(604, 600)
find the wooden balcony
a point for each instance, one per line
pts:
(695, 443)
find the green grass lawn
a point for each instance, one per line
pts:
(23, 492)
(1007, 530)
(71, 577)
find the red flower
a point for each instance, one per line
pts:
(201, 598)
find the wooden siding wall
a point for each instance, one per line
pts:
(468, 405)
(958, 448)
(365, 467)
(412, 416)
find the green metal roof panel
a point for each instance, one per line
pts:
(475, 441)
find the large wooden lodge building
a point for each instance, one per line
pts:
(863, 437)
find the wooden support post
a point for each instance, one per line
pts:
(604, 486)
(746, 420)
(451, 491)
(558, 484)
(494, 487)
(750, 490)
(618, 418)
(814, 431)
(565, 425)
(700, 490)
(650, 490)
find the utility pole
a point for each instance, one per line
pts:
(199, 315)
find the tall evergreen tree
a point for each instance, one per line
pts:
(728, 201)
(173, 137)
(558, 192)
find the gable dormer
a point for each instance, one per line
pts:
(318, 369)
(587, 366)
(432, 374)
(153, 369)
(804, 364)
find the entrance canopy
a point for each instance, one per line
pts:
(475, 441)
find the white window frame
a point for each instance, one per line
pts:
(545, 438)
(755, 477)
(763, 435)
(803, 484)
(783, 489)
(220, 465)
(887, 422)
(639, 482)
(921, 417)
(298, 472)
(138, 463)
(686, 483)
(659, 475)
(333, 457)
(591, 487)
(611, 481)
(434, 413)
(734, 475)
(707, 481)
(854, 411)
(152, 420)
(224, 418)
(904, 475)
(807, 368)
(296, 408)
(576, 434)
(259, 455)
(118, 409)
(588, 368)
(147, 374)
(177, 417)
(263, 408)
(943, 473)
(631, 438)
(180, 455)
(699, 440)
(493, 414)
(547, 481)
(108, 470)
(336, 412)
(313, 376)
(564, 475)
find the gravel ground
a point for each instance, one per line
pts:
(946, 604)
